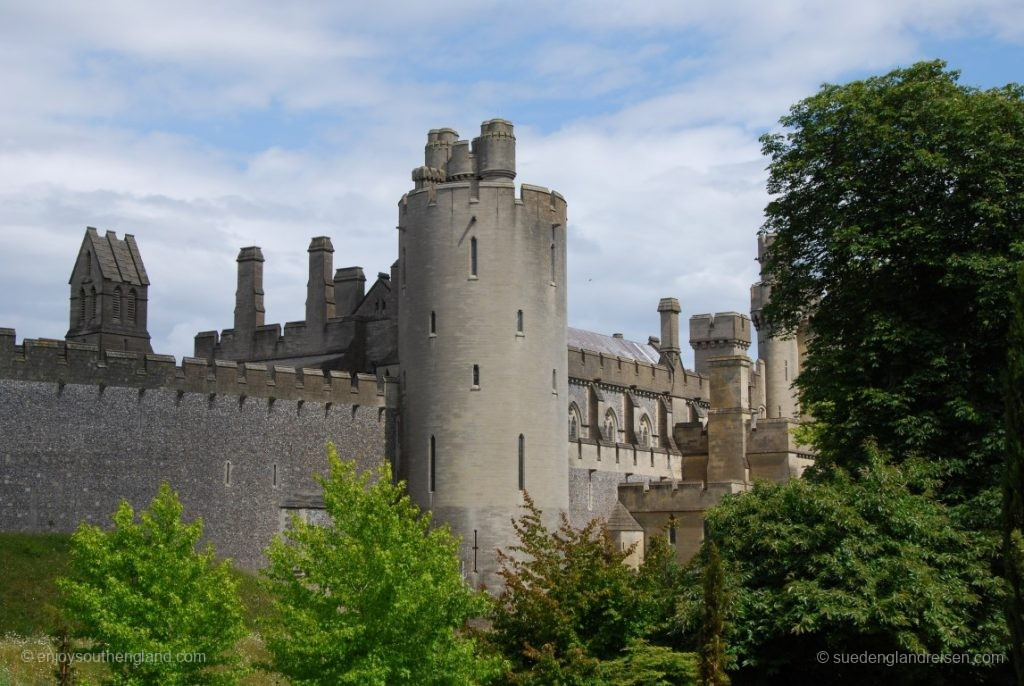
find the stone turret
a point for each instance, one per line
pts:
(718, 335)
(482, 343)
(109, 294)
(781, 355)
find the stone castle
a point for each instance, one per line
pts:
(457, 366)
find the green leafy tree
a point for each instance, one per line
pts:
(899, 221)
(571, 603)
(1013, 485)
(643, 664)
(374, 595)
(712, 619)
(872, 564)
(142, 590)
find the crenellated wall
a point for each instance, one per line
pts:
(75, 363)
(83, 430)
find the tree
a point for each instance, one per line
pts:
(143, 591)
(374, 595)
(1013, 484)
(866, 565)
(712, 620)
(571, 605)
(898, 215)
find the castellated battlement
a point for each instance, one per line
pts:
(630, 373)
(492, 156)
(719, 334)
(61, 362)
(534, 199)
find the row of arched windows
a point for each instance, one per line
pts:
(609, 427)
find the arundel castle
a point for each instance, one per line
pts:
(458, 367)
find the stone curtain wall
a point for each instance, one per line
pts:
(81, 430)
(71, 454)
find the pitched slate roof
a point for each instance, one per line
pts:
(610, 345)
(119, 260)
(621, 520)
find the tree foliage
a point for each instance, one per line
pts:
(713, 655)
(571, 606)
(375, 595)
(899, 221)
(142, 590)
(872, 564)
(1013, 484)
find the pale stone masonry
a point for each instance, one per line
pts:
(456, 366)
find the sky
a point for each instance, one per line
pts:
(202, 127)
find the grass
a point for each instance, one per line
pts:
(29, 567)
(30, 618)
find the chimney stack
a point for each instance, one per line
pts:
(320, 289)
(249, 312)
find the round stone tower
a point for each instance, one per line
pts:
(482, 343)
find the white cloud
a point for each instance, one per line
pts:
(112, 111)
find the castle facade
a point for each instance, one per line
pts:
(457, 366)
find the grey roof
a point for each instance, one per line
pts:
(621, 520)
(119, 260)
(610, 345)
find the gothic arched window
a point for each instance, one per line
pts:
(574, 422)
(644, 436)
(611, 426)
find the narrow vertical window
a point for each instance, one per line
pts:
(432, 466)
(519, 321)
(552, 254)
(554, 381)
(672, 532)
(227, 473)
(115, 305)
(785, 367)
(590, 490)
(476, 375)
(472, 256)
(81, 306)
(522, 463)
(433, 322)
(275, 476)
(130, 306)
(94, 309)
(88, 264)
